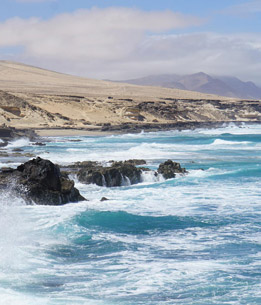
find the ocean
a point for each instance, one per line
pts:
(194, 239)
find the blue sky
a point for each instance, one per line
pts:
(124, 39)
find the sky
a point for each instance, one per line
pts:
(114, 39)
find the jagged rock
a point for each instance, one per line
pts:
(40, 181)
(10, 133)
(135, 161)
(169, 169)
(3, 144)
(119, 173)
(39, 144)
(104, 199)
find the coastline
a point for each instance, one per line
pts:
(135, 128)
(8, 134)
(72, 132)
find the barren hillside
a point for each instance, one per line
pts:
(36, 98)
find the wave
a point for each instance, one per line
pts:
(150, 177)
(19, 143)
(123, 222)
(232, 129)
(225, 142)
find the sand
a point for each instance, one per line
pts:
(45, 100)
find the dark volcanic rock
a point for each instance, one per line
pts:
(169, 169)
(104, 199)
(10, 133)
(136, 161)
(119, 173)
(41, 182)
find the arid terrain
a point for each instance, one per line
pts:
(43, 100)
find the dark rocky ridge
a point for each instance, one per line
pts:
(11, 133)
(169, 169)
(40, 181)
(120, 173)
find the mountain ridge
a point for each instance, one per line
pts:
(204, 83)
(42, 100)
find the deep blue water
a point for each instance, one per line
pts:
(194, 239)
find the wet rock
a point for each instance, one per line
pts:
(3, 144)
(40, 181)
(136, 161)
(104, 199)
(9, 133)
(83, 164)
(75, 140)
(7, 170)
(169, 169)
(39, 144)
(119, 173)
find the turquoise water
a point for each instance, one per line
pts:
(194, 239)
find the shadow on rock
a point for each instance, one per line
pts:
(40, 181)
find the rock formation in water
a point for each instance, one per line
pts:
(40, 181)
(169, 169)
(120, 173)
(11, 133)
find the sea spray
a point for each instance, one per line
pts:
(193, 239)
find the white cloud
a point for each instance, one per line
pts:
(209, 52)
(248, 7)
(120, 43)
(94, 34)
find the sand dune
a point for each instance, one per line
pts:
(17, 77)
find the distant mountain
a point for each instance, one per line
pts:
(202, 82)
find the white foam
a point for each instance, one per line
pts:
(233, 129)
(225, 142)
(19, 143)
(150, 177)
(178, 257)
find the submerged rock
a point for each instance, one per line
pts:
(169, 169)
(40, 181)
(104, 199)
(39, 144)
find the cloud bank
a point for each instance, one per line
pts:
(120, 43)
(249, 7)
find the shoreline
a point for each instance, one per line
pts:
(134, 128)
(8, 134)
(72, 132)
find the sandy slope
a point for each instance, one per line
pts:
(18, 77)
(36, 98)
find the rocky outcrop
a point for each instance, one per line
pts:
(119, 173)
(10, 133)
(40, 181)
(169, 169)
